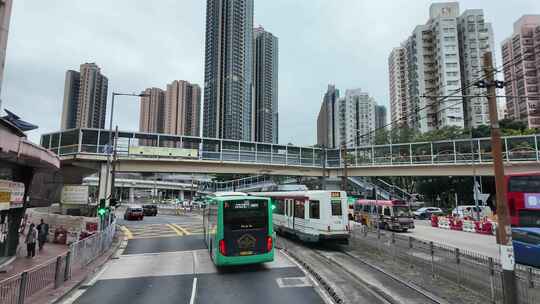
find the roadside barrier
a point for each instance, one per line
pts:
(469, 226)
(434, 221)
(444, 223)
(485, 226)
(456, 224)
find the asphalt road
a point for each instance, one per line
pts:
(479, 243)
(166, 261)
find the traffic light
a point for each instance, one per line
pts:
(102, 209)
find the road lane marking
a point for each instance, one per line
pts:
(182, 229)
(178, 231)
(127, 232)
(193, 291)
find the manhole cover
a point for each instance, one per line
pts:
(293, 282)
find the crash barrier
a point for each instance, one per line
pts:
(457, 268)
(469, 226)
(484, 226)
(53, 273)
(444, 223)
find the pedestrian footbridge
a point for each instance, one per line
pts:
(147, 152)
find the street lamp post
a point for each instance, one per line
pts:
(109, 144)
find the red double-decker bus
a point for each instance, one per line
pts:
(523, 196)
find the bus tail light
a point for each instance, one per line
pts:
(222, 247)
(269, 243)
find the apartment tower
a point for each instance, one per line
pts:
(265, 82)
(399, 86)
(5, 14)
(521, 63)
(174, 111)
(228, 75)
(85, 98)
(443, 57)
(182, 108)
(152, 111)
(356, 118)
(327, 124)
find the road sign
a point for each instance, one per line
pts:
(75, 195)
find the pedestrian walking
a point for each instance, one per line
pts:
(31, 238)
(43, 233)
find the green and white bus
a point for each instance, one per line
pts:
(238, 229)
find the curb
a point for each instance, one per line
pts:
(95, 270)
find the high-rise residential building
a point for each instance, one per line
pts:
(475, 39)
(85, 98)
(5, 15)
(521, 64)
(175, 111)
(380, 117)
(327, 124)
(443, 57)
(348, 120)
(356, 118)
(265, 82)
(399, 86)
(152, 111)
(228, 75)
(182, 108)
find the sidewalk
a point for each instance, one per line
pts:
(22, 263)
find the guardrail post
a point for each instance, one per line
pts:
(455, 152)
(410, 154)
(432, 253)
(491, 279)
(432, 156)
(57, 271)
(458, 270)
(506, 149)
(67, 268)
(410, 254)
(536, 148)
(22, 287)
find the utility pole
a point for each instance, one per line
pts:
(504, 231)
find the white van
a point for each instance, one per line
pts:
(471, 211)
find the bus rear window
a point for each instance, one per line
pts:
(336, 207)
(526, 184)
(245, 215)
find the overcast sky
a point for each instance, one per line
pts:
(140, 44)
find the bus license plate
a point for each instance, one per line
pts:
(246, 252)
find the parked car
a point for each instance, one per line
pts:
(471, 211)
(526, 241)
(426, 212)
(133, 213)
(150, 210)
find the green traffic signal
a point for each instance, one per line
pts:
(102, 211)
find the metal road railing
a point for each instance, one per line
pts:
(52, 273)
(432, 261)
(462, 151)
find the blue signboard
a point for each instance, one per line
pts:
(532, 200)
